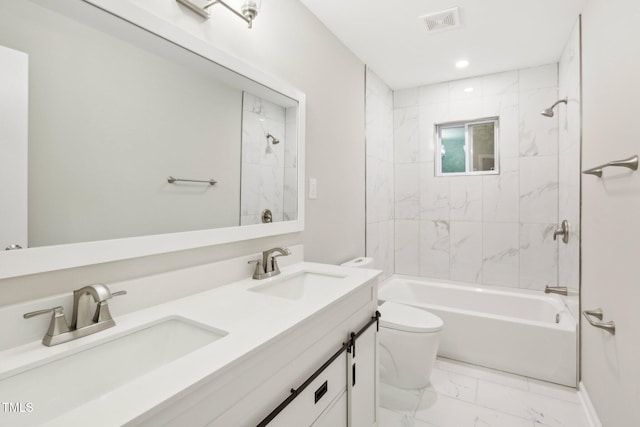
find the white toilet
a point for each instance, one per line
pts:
(408, 341)
(408, 345)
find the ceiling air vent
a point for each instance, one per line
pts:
(445, 20)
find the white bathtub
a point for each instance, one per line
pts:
(507, 329)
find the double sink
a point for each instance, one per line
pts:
(90, 372)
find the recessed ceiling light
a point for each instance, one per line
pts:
(468, 89)
(463, 63)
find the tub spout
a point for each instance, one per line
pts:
(560, 290)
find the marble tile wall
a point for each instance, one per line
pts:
(569, 164)
(379, 173)
(266, 167)
(495, 229)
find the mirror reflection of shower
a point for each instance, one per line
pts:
(271, 141)
(549, 111)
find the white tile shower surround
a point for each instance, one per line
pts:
(463, 395)
(493, 229)
(380, 174)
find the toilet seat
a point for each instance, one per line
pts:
(405, 318)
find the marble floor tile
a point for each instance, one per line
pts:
(445, 411)
(465, 395)
(454, 385)
(540, 409)
(399, 400)
(388, 418)
(479, 372)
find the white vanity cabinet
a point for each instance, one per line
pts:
(247, 393)
(313, 405)
(342, 395)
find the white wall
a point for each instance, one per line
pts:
(492, 229)
(611, 208)
(379, 135)
(287, 41)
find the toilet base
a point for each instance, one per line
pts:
(406, 359)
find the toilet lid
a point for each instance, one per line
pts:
(409, 319)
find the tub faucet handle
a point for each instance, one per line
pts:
(563, 231)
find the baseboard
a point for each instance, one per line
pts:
(589, 410)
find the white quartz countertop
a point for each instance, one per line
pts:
(250, 319)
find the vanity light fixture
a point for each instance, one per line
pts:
(248, 12)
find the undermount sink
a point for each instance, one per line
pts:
(298, 285)
(64, 384)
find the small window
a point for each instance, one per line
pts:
(467, 148)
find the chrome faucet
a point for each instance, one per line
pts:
(268, 265)
(83, 323)
(560, 290)
(82, 305)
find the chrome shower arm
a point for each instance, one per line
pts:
(560, 101)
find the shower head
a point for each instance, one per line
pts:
(549, 111)
(274, 140)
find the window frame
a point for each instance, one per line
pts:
(468, 146)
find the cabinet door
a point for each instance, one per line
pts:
(311, 402)
(362, 380)
(335, 415)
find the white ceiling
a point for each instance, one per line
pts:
(496, 35)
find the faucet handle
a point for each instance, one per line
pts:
(58, 323)
(53, 310)
(259, 271)
(102, 313)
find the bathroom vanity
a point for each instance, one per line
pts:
(228, 356)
